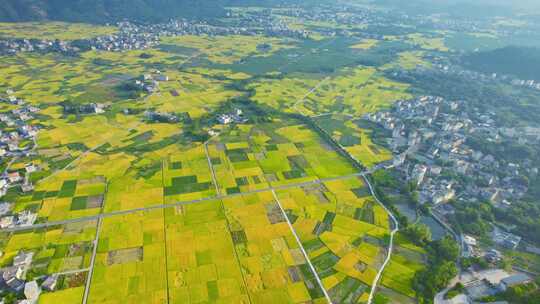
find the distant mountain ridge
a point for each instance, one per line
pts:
(100, 11)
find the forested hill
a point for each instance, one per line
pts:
(522, 62)
(100, 11)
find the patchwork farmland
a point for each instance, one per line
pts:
(149, 197)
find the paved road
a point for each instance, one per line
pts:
(390, 246)
(181, 203)
(92, 262)
(94, 252)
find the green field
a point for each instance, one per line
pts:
(343, 231)
(253, 157)
(213, 232)
(355, 140)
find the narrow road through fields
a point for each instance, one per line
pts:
(74, 271)
(92, 262)
(390, 245)
(302, 248)
(180, 203)
(222, 205)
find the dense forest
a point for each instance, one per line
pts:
(522, 62)
(102, 11)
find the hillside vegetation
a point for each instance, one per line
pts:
(99, 11)
(522, 62)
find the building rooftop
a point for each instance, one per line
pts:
(516, 279)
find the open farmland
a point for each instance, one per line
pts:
(186, 208)
(130, 265)
(63, 251)
(273, 265)
(237, 250)
(257, 156)
(187, 176)
(354, 139)
(397, 277)
(343, 231)
(353, 91)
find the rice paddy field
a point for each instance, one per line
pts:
(61, 250)
(252, 157)
(130, 265)
(191, 218)
(186, 176)
(343, 231)
(353, 91)
(397, 278)
(237, 250)
(354, 139)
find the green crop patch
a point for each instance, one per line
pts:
(68, 189)
(324, 264)
(39, 195)
(252, 157)
(176, 165)
(186, 188)
(335, 238)
(79, 202)
(348, 291)
(203, 257)
(184, 180)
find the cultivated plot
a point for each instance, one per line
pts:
(397, 279)
(61, 251)
(257, 156)
(130, 265)
(202, 266)
(65, 197)
(273, 265)
(344, 232)
(187, 176)
(355, 140)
